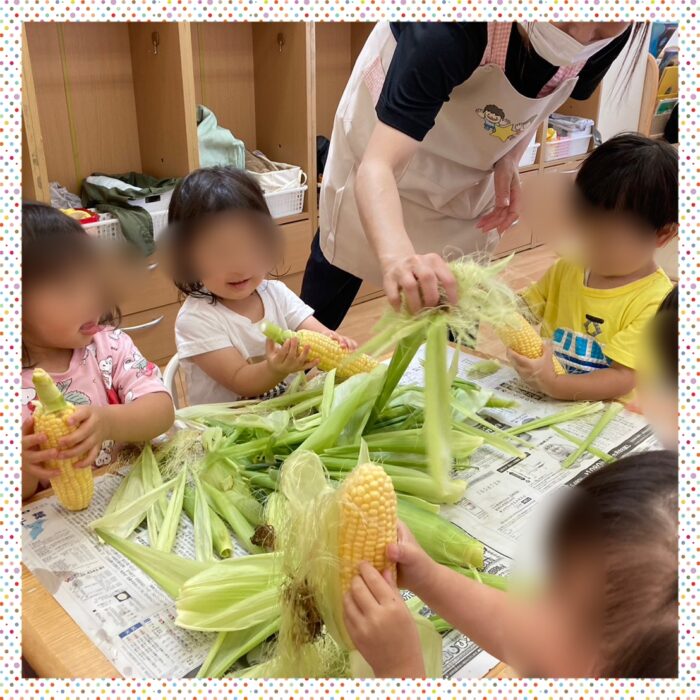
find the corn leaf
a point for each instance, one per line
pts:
(442, 540)
(221, 540)
(484, 368)
(166, 535)
(152, 479)
(352, 402)
(121, 522)
(328, 389)
(229, 512)
(168, 570)
(604, 456)
(438, 419)
(598, 428)
(229, 647)
(203, 537)
(403, 355)
(583, 409)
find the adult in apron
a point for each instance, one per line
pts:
(446, 187)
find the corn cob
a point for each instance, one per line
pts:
(522, 338)
(330, 353)
(73, 487)
(367, 521)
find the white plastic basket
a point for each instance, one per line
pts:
(566, 147)
(109, 227)
(285, 202)
(530, 155)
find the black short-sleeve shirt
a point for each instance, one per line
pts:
(432, 58)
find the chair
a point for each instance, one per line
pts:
(169, 374)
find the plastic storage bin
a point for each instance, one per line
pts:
(566, 147)
(154, 202)
(569, 126)
(108, 227)
(530, 155)
(285, 202)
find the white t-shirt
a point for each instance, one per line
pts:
(204, 327)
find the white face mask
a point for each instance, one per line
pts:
(557, 47)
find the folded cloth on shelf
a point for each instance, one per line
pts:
(114, 194)
(217, 145)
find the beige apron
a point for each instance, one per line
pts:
(448, 184)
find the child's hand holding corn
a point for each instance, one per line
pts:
(35, 453)
(287, 358)
(537, 373)
(86, 440)
(377, 619)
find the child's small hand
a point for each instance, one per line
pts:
(86, 440)
(381, 626)
(538, 374)
(347, 343)
(287, 358)
(35, 454)
(414, 566)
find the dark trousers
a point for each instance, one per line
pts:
(327, 289)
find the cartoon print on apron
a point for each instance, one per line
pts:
(448, 184)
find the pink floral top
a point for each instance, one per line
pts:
(110, 370)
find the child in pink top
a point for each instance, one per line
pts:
(119, 394)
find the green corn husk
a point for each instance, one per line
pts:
(485, 368)
(419, 503)
(604, 456)
(598, 428)
(241, 527)
(405, 351)
(438, 421)
(231, 595)
(121, 522)
(168, 530)
(441, 626)
(168, 570)
(152, 479)
(349, 412)
(583, 409)
(130, 489)
(500, 583)
(442, 540)
(221, 540)
(229, 647)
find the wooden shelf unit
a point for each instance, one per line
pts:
(114, 97)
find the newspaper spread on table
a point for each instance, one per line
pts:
(131, 620)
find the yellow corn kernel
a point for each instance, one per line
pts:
(329, 353)
(367, 522)
(73, 487)
(522, 338)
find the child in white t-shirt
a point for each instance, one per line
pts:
(223, 244)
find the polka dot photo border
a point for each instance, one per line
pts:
(12, 14)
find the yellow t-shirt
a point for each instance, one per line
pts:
(592, 328)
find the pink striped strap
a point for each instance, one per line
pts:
(497, 50)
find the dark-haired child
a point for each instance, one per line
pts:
(595, 310)
(608, 606)
(68, 331)
(658, 373)
(223, 245)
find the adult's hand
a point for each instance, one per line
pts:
(506, 182)
(419, 279)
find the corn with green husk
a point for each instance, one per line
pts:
(329, 352)
(73, 487)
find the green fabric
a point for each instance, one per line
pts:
(136, 222)
(217, 145)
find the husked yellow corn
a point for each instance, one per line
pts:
(522, 338)
(329, 353)
(73, 487)
(367, 523)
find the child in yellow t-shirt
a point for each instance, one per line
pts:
(594, 311)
